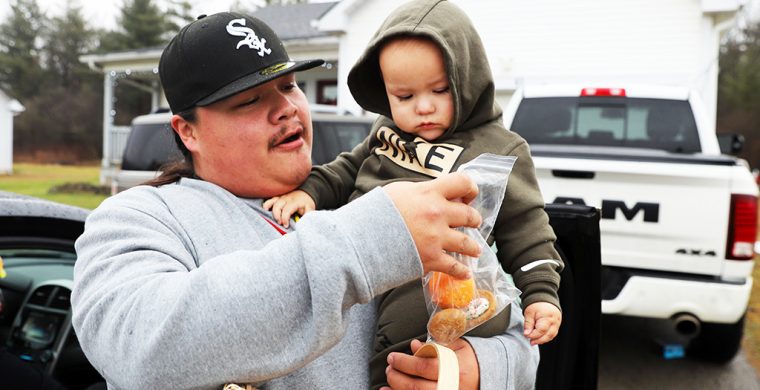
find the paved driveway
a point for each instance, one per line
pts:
(631, 359)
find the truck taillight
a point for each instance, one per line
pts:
(742, 227)
(603, 92)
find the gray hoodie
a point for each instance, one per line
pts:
(187, 286)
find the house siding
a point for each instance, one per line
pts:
(6, 136)
(650, 41)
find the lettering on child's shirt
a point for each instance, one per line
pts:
(427, 158)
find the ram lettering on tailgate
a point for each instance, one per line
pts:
(609, 208)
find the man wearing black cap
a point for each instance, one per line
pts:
(188, 282)
(214, 63)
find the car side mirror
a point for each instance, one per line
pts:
(730, 143)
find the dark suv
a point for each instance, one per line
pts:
(151, 144)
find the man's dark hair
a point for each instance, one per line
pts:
(172, 171)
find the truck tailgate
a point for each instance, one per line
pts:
(656, 215)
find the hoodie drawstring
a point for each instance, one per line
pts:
(411, 148)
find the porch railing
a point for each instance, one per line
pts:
(118, 139)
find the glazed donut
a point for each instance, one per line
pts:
(447, 325)
(481, 309)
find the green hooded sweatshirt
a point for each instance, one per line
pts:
(522, 232)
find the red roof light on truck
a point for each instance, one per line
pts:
(742, 227)
(603, 92)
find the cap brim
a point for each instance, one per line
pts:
(257, 78)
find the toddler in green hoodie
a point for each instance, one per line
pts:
(426, 73)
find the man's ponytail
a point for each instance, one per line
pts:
(172, 171)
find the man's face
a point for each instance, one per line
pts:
(257, 143)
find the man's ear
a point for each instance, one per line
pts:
(186, 132)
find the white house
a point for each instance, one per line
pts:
(9, 108)
(593, 41)
(672, 42)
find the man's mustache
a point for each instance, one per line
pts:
(285, 132)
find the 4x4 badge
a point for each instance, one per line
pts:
(695, 252)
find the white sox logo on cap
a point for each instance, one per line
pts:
(200, 67)
(251, 39)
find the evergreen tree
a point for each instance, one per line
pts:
(740, 71)
(142, 24)
(21, 73)
(739, 89)
(179, 14)
(68, 38)
(63, 121)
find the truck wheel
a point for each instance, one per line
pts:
(718, 343)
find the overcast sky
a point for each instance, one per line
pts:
(103, 13)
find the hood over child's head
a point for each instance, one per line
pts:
(466, 64)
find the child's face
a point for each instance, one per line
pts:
(417, 86)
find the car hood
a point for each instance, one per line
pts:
(16, 205)
(26, 216)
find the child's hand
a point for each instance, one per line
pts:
(542, 320)
(286, 205)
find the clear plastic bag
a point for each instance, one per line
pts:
(458, 306)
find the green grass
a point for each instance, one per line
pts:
(37, 180)
(751, 341)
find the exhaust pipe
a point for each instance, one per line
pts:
(686, 324)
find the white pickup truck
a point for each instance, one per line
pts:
(678, 218)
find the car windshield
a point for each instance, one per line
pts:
(10, 254)
(333, 137)
(149, 147)
(614, 121)
(19, 257)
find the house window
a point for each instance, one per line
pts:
(327, 92)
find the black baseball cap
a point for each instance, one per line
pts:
(219, 55)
